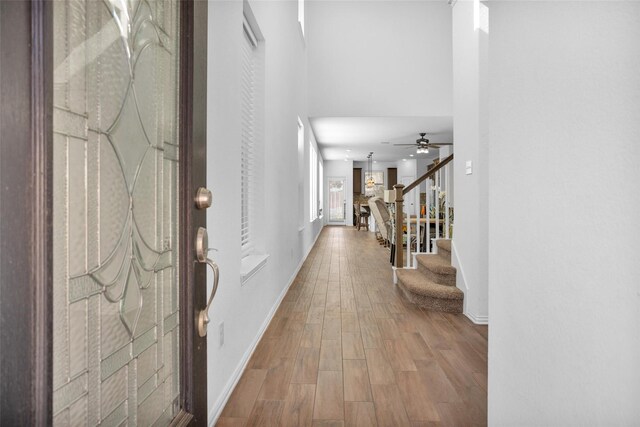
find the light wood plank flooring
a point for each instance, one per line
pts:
(346, 349)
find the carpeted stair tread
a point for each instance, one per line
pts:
(416, 282)
(436, 264)
(444, 244)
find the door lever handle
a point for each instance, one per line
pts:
(203, 316)
(202, 249)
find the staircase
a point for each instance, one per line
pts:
(433, 284)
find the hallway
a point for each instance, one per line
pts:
(345, 348)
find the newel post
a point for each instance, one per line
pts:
(398, 232)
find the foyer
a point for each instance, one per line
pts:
(173, 174)
(345, 348)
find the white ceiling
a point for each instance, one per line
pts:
(361, 135)
(379, 58)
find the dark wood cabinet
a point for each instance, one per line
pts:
(392, 177)
(357, 180)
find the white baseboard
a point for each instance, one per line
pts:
(216, 410)
(477, 319)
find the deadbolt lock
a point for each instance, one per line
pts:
(203, 198)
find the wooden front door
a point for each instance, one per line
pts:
(117, 105)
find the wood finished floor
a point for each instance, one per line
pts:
(346, 349)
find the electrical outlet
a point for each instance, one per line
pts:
(221, 334)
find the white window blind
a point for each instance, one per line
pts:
(301, 170)
(320, 189)
(248, 152)
(313, 181)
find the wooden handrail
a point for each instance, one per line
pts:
(429, 173)
(400, 192)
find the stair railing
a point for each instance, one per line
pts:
(419, 217)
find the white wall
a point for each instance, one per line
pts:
(379, 58)
(337, 169)
(422, 166)
(564, 341)
(245, 309)
(408, 170)
(470, 255)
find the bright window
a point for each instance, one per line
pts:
(313, 181)
(301, 15)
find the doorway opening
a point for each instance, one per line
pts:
(337, 201)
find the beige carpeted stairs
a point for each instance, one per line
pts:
(433, 284)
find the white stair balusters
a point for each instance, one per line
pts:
(437, 202)
(446, 202)
(438, 182)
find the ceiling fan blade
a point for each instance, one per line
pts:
(413, 145)
(440, 143)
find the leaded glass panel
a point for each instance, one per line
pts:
(116, 330)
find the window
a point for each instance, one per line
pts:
(313, 181)
(300, 174)
(320, 189)
(249, 136)
(252, 239)
(301, 15)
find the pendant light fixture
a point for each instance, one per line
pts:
(370, 181)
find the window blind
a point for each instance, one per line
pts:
(248, 152)
(320, 189)
(313, 181)
(301, 170)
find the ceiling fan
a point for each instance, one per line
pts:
(422, 144)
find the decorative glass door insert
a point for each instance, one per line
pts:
(336, 200)
(115, 120)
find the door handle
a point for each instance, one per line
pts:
(203, 316)
(202, 249)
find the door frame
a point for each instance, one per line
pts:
(344, 190)
(193, 173)
(26, 201)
